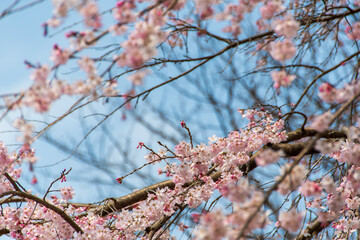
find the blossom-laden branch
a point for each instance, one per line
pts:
(290, 150)
(196, 171)
(45, 204)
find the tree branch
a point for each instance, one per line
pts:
(45, 204)
(293, 149)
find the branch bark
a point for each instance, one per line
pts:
(45, 204)
(290, 149)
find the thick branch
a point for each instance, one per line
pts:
(299, 134)
(293, 149)
(45, 204)
(312, 230)
(4, 231)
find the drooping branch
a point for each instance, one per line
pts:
(47, 205)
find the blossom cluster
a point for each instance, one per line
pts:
(88, 9)
(353, 32)
(223, 155)
(197, 172)
(340, 204)
(44, 92)
(142, 42)
(226, 154)
(282, 79)
(193, 165)
(330, 94)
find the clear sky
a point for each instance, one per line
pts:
(22, 39)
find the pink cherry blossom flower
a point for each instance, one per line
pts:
(195, 217)
(328, 184)
(347, 92)
(124, 11)
(349, 153)
(59, 56)
(67, 193)
(271, 8)
(327, 92)
(40, 75)
(353, 32)
(52, 22)
(80, 40)
(137, 78)
(142, 42)
(287, 27)
(61, 8)
(212, 226)
(140, 145)
(309, 188)
(205, 8)
(183, 124)
(321, 122)
(118, 29)
(268, 156)
(88, 65)
(34, 180)
(335, 202)
(291, 220)
(234, 29)
(91, 15)
(182, 227)
(327, 146)
(242, 212)
(26, 129)
(282, 79)
(282, 50)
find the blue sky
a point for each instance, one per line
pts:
(22, 39)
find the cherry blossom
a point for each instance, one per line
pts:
(205, 8)
(142, 42)
(309, 188)
(353, 31)
(326, 147)
(67, 193)
(321, 123)
(347, 92)
(350, 153)
(327, 92)
(40, 75)
(282, 50)
(88, 65)
(268, 156)
(91, 15)
(291, 220)
(282, 79)
(80, 40)
(287, 27)
(60, 56)
(213, 226)
(137, 78)
(25, 128)
(271, 8)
